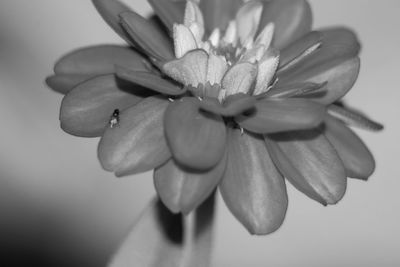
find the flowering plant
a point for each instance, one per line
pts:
(233, 94)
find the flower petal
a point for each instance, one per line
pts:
(160, 238)
(310, 163)
(184, 40)
(239, 78)
(248, 19)
(292, 19)
(266, 71)
(149, 80)
(216, 68)
(233, 105)
(296, 90)
(169, 11)
(64, 83)
(218, 13)
(197, 139)
(148, 36)
(100, 60)
(110, 10)
(191, 69)
(87, 109)
(356, 157)
(138, 143)
(280, 115)
(252, 187)
(182, 189)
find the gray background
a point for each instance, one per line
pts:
(52, 186)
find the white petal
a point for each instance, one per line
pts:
(215, 37)
(193, 14)
(266, 71)
(253, 55)
(198, 33)
(239, 78)
(248, 19)
(184, 41)
(265, 37)
(231, 35)
(217, 66)
(191, 69)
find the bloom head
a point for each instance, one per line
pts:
(234, 94)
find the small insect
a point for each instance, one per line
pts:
(114, 120)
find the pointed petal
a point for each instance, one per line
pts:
(191, 69)
(160, 238)
(296, 90)
(110, 10)
(231, 33)
(87, 109)
(218, 13)
(354, 118)
(310, 163)
(169, 11)
(280, 115)
(100, 60)
(248, 19)
(184, 40)
(216, 68)
(197, 139)
(149, 80)
(252, 187)
(233, 105)
(138, 143)
(182, 189)
(292, 19)
(215, 37)
(64, 83)
(335, 62)
(266, 72)
(266, 35)
(194, 20)
(297, 48)
(356, 157)
(239, 78)
(148, 36)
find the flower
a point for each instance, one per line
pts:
(229, 94)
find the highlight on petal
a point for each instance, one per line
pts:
(191, 69)
(310, 163)
(110, 10)
(216, 68)
(160, 238)
(150, 80)
(184, 40)
(248, 19)
(239, 78)
(197, 139)
(148, 36)
(280, 115)
(252, 187)
(266, 71)
(354, 118)
(138, 143)
(297, 90)
(233, 105)
(218, 13)
(356, 157)
(87, 109)
(292, 19)
(231, 33)
(169, 11)
(266, 35)
(194, 20)
(182, 189)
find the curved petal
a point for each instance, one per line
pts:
(87, 109)
(292, 19)
(197, 139)
(280, 115)
(110, 10)
(160, 238)
(310, 163)
(239, 78)
(100, 59)
(233, 105)
(182, 189)
(138, 143)
(296, 90)
(150, 80)
(148, 36)
(248, 19)
(218, 13)
(169, 11)
(252, 187)
(64, 83)
(356, 157)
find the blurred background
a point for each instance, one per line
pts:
(59, 208)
